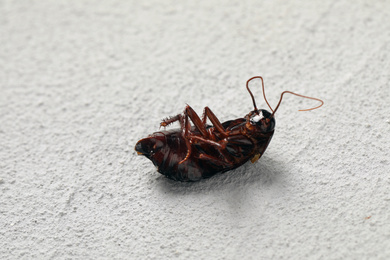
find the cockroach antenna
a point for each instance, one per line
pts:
(299, 95)
(253, 98)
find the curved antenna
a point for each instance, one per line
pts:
(253, 99)
(299, 95)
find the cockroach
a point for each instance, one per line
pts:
(191, 153)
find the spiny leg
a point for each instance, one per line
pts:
(183, 119)
(167, 121)
(209, 142)
(215, 160)
(200, 125)
(190, 113)
(220, 147)
(184, 126)
(207, 113)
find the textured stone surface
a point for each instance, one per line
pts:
(81, 82)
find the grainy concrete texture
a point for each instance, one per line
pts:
(82, 81)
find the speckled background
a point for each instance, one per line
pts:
(82, 81)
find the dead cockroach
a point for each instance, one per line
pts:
(200, 151)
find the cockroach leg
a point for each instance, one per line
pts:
(185, 128)
(210, 142)
(256, 157)
(167, 121)
(190, 112)
(200, 125)
(215, 161)
(189, 149)
(220, 147)
(207, 113)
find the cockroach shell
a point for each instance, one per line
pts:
(167, 149)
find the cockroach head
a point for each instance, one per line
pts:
(261, 120)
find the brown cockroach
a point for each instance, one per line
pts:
(202, 150)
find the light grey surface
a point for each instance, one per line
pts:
(81, 82)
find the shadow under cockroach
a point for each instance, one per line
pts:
(266, 173)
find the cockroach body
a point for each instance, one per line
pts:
(191, 153)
